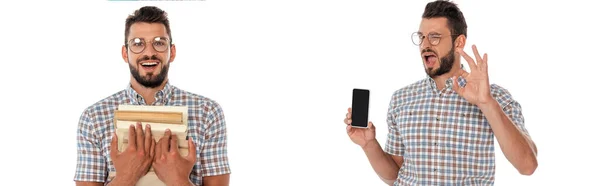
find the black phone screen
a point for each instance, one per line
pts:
(360, 108)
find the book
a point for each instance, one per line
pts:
(160, 118)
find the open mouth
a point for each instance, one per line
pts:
(149, 64)
(430, 59)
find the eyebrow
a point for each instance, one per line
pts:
(434, 33)
(162, 37)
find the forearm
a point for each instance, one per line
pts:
(516, 146)
(382, 163)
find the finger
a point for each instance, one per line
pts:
(165, 143)
(132, 143)
(476, 53)
(174, 147)
(158, 149)
(347, 121)
(469, 60)
(370, 126)
(348, 129)
(148, 136)
(114, 150)
(140, 136)
(484, 64)
(152, 149)
(349, 114)
(192, 150)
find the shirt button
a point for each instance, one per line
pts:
(437, 118)
(434, 170)
(435, 144)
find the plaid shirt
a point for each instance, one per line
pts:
(206, 126)
(443, 139)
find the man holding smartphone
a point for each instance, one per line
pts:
(441, 129)
(148, 51)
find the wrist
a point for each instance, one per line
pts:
(488, 101)
(488, 105)
(369, 144)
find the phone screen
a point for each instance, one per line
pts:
(360, 108)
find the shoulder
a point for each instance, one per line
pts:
(105, 105)
(196, 101)
(409, 91)
(501, 94)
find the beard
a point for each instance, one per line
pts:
(446, 64)
(149, 80)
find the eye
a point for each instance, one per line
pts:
(435, 36)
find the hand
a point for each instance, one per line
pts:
(169, 165)
(360, 136)
(477, 89)
(135, 161)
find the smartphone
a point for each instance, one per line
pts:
(360, 108)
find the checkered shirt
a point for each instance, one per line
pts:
(443, 139)
(206, 126)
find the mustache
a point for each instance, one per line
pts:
(428, 50)
(145, 58)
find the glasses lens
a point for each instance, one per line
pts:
(417, 38)
(160, 44)
(434, 39)
(136, 45)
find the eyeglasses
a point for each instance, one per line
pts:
(138, 45)
(434, 39)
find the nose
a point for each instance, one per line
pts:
(149, 51)
(425, 43)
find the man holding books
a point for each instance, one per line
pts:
(148, 50)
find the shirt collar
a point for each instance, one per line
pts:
(448, 84)
(161, 97)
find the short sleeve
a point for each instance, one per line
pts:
(91, 165)
(514, 111)
(213, 156)
(394, 144)
(510, 106)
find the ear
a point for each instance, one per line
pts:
(460, 41)
(124, 53)
(173, 53)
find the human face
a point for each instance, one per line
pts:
(436, 46)
(148, 53)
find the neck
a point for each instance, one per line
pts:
(146, 92)
(440, 81)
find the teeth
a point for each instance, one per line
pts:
(150, 63)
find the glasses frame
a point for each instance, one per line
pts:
(146, 46)
(429, 36)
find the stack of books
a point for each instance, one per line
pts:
(160, 118)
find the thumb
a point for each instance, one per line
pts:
(114, 143)
(370, 126)
(191, 150)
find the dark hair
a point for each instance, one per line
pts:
(148, 14)
(443, 8)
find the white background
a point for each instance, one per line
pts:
(283, 72)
